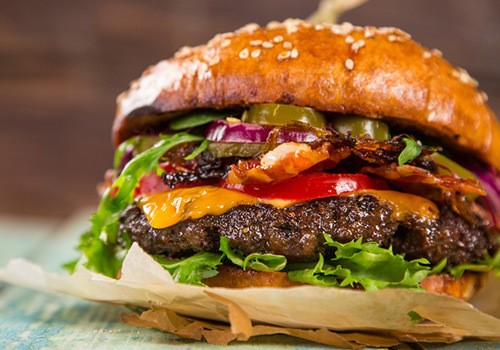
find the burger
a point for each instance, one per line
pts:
(329, 155)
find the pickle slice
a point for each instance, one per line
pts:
(357, 126)
(279, 114)
(233, 149)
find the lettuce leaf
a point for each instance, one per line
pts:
(491, 263)
(366, 264)
(197, 118)
(99, 246)
(194, 269)
(254, 261)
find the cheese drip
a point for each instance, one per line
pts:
(166, 209)
(405, 203)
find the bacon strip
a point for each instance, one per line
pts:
(412, 174)
(285, 162)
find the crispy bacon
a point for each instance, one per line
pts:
(289, 159)
(285, 162)
(413, 174)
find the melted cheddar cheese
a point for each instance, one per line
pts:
(405, 203)
(166, 209)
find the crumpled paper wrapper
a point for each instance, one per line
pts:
(333, 316)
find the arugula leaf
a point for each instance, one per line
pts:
(99, 245)
(485, 265)
(364, 263)
(411, 151)
(254, 261)
(197, 118)
(437, 269)
(202, 147)
(194, 269)
(120, 151)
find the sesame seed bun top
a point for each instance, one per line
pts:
(375, 72)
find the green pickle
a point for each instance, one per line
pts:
(449, 167)
(278, 114)
(357, 125)
(233, 149)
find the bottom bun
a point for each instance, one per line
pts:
(234, 277)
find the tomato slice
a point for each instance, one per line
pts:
(311, 186)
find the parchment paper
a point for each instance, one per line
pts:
(339, 317)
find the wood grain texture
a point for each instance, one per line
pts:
(62, 64)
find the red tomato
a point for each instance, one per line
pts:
(311, 186)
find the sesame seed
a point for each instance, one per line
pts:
(293, 22)
(284, 55)
(267, 45)
(287, 45)
(395, 38)
(319, 27)
(278, 38)
(255, 42)
(349, 39)
(214, 60)
(402, 33)
(184, 51)
(349, 64)
(437, 52)
(255, 53)
(431, 116)
(294, 53)
(386, 30)
(243, 53)
(135, 84)
(273, 25)
(357, 45)
(249, 28)
(225, 43)
(484, 96)
(427, 54)
(463, 76)
(369, 32)
(347, 26)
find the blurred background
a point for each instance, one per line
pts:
(62, 64)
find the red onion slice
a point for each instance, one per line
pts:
(490, 179)
(223, 131)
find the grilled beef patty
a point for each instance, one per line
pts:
(297, 231)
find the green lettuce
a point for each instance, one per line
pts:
(366, 264)
(194, 269)
(491, 263)
(197, 118)
(254, 261)
(99, 246)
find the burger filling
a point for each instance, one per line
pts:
(328, 199)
